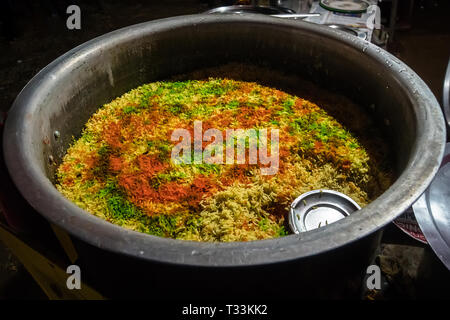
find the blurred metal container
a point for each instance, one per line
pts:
(432, 211)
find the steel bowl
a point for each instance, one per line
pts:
(319, 208)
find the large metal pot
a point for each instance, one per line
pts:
(65, 93)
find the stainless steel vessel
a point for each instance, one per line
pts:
(65, 93)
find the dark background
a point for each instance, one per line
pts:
(34, 33)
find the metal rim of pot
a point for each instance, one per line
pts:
(38, 190)
(446, 96)
(243, 9)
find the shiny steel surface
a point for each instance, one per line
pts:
(278, 12)
(295, 15)
(319, 208)
(348, 30)
(432, 211)
(252, 9)
(446, 96)
(345, 6)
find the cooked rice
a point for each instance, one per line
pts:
(120, 168)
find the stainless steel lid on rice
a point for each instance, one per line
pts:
(319, 208)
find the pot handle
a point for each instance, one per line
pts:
(446, 96)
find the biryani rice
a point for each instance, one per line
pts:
(120, 168)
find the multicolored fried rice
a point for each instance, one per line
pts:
(120, 169)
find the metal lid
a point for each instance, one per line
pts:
(345, 6)
(432, 211)
(319, 208)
